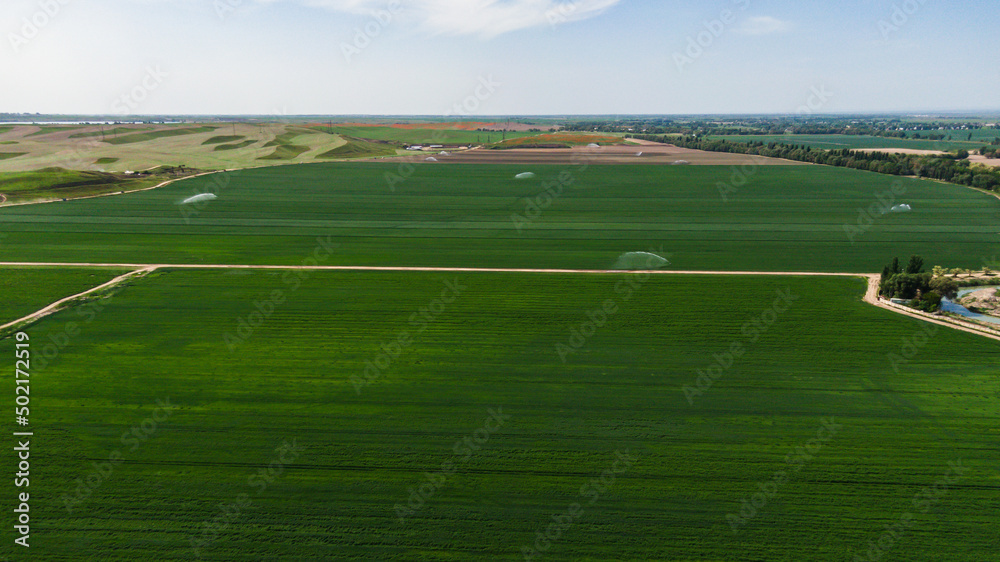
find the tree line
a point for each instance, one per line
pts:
(953, 168)
(784, 125)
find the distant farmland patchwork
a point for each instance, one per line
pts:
(410, 135)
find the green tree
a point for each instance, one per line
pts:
(929, 302)
(887, 273)
(944, 286)
(916, 265)
(984, 181)
(907, 286)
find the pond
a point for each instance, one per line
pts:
(948, 306)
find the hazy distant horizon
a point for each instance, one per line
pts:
(469, 58)
(983, 114)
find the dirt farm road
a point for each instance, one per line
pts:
(871, 294)
(57, 306)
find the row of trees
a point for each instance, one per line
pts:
(888, 127)
(954, 168)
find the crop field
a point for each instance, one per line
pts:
(309, 289)
(162, 418)
(829, 142)
(356, 148)
(771, 218)
(562, 138)
(36, 288)
(286, 415)
(981, 136)
(574, 155)
(411, 135)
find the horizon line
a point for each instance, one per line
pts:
(915, 113)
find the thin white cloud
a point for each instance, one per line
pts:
(764, 25)
(485, 18)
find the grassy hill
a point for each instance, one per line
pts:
(357, 148)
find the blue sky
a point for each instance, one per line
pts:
(435, 57)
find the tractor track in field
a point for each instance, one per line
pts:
(57, 306)
(110, 193)
(870, 297)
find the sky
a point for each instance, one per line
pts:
(463, 58)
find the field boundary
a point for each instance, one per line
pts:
(57, 306)
(426, 269)
(871, 295)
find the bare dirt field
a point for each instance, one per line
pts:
(978, 159)
(652, 153)
(900, 151)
